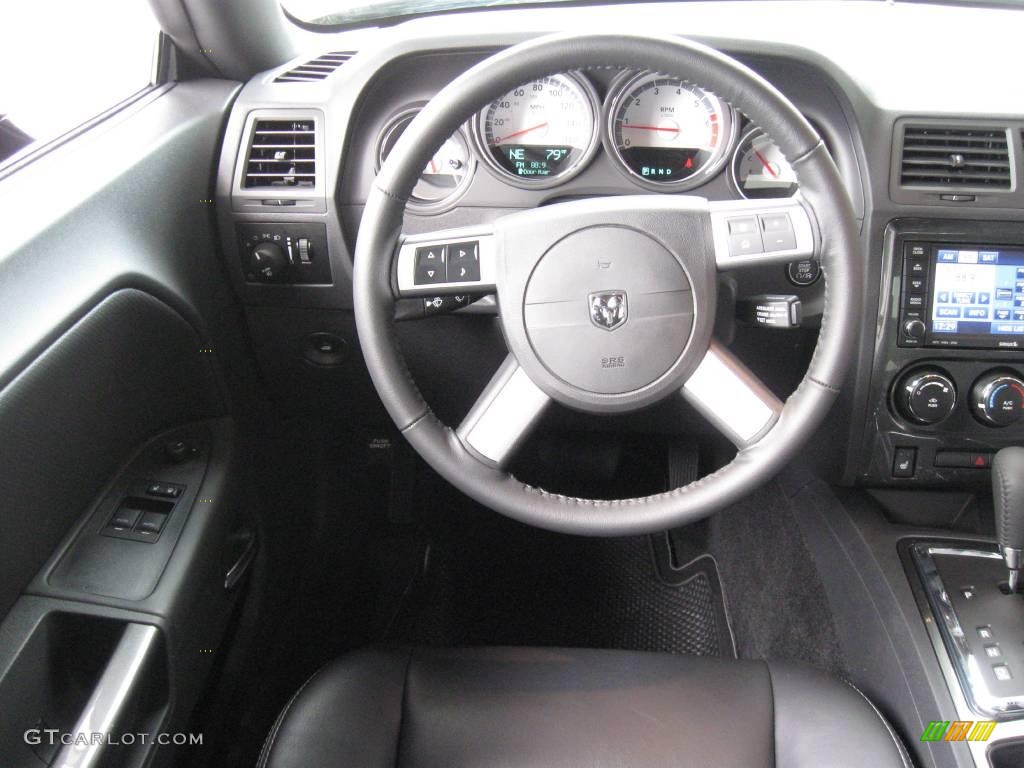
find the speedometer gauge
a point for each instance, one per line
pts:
(668, 134)
(541, 133)
(759, 169)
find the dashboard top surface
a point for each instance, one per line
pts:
(902, 56)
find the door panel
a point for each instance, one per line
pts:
(119, 334)
(109, 269)
(131, 367)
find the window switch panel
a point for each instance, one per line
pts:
(151, 523)
(124, 519)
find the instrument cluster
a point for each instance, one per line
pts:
(662, 133)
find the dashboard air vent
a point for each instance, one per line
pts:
(947, 157)
(317, 69)
(282, 153)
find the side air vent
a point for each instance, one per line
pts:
(282, 153)
(955, 158)
(317, 69)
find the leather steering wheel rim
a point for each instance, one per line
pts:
(821, 188)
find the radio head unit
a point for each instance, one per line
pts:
(957, 295)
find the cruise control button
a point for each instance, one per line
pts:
(430, 265)
(464, 262)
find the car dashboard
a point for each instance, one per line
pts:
(931, 177)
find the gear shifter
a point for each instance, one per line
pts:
(1008, 495)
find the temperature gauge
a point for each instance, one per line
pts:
(760, 170)
(446, 175)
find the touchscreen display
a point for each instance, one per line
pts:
(978, 292)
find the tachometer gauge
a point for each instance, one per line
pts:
(446, 175)
(759, 169)
(668, 134)
(541, 133)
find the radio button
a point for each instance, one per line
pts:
(916, 268)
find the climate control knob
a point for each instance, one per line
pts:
(997, 399)
(267, 262)
(926, 396)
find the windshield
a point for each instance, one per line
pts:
(340, 13)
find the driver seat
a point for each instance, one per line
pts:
(450, 708)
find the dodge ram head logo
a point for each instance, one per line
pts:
(608, 309)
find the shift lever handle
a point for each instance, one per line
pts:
(1008, 495)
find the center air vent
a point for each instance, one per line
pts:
(955, 158)
(282, 153)
(317, 69)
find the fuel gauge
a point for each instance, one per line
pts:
(760, 170)
(446, 175)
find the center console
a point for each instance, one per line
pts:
(975, 626)
(947, 386)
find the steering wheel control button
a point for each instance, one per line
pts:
(804, 272)
(608, 310)
(777, 232)
(904, 462)
(926, 396)
(744, 236)
(464, 262)
(997, 399)
(430, 265)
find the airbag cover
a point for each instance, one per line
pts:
(609, 310)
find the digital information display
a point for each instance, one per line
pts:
(977, 292)
(532, 161)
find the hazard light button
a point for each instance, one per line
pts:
(963, 460)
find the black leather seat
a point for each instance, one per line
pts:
(504, 707)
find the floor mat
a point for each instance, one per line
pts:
(500, 583)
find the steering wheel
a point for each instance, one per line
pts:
(607, 305)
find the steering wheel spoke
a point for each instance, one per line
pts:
(731, 397)
(503, 415)
(752, 233)
(447, 263)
